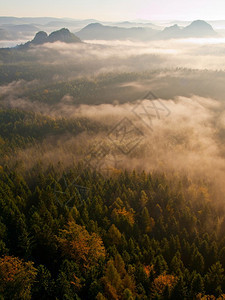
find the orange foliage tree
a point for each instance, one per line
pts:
(77, 244)
(163, 281)
(128, 215)
(16, 278)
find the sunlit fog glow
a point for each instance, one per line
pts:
(117, 10)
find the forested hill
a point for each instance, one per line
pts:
(79, 235)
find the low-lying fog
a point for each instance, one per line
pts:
(189, 137)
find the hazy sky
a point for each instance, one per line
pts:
(117, 9)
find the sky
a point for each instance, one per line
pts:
(115, 10)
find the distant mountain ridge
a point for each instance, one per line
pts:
(13, 32)
(62, 35)
(196, 29)
(199, 27)
(103, 32)
(98, 31)
(23, 29)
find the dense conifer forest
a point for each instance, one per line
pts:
(76, 234)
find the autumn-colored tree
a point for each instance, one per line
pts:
(76, 243)
(206, 297)
(148, 269)
(16, 278)
(112, 281)
(162, 281)
(123, 214)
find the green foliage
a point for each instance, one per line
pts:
(128, 253)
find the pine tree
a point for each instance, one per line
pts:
(197, 285)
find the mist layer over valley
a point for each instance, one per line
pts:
(103, 82)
